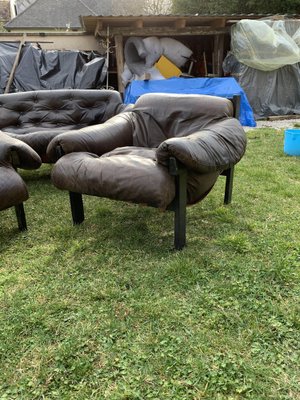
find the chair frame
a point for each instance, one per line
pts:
(178, 205)
(19, 208)
(21, 217)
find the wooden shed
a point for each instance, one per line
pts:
(208, 36)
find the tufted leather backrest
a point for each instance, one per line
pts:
(63, 108)
(160, 116)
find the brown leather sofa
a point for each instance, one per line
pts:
(37, 117)
(13, 191)
(167, 152)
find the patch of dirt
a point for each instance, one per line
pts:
(277, 124)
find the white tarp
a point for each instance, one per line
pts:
(266, 45)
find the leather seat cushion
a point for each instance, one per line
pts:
(129, 174)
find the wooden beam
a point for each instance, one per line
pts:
(15, 64)
(138, 24)
(180, 23)
(99, 27)
(120, 60)
(166, 31)
(280, 117)
(218, 23)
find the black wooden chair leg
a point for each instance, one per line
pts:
(230, 171)
(180, 225)
(179, 204)
(76, 207)
(228, 185)
(20, 212)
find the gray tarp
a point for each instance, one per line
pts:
(268, 92)
(265, 60)
(8, 52)
(50, 69)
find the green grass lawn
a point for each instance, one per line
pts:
(107, 310)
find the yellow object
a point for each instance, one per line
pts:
(167, 68)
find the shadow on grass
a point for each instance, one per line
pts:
(113, 226)
(122, 229)
(41, 174)
(9, 231)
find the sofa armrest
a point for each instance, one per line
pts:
(97, 139)
(17, 153)
(215, 148)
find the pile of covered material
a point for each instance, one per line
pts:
(158, 58)
(266, 44)
(50, 69)
(265, 60)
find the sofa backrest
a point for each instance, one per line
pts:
(160, 116)
(25, 112)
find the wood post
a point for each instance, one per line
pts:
(15, 64)
(120, 60)
(218, 55)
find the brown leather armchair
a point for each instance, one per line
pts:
(167, 152)
(13, 191)
(36, 117)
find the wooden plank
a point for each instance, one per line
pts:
(166, 31)
(99, 27)
(107, 47)
(15, 64)
(120, 60)
(138, 24)
(281, 117)
(218, 55)
(180, 23)
(205, 64)
(218, 23)
(89, 22)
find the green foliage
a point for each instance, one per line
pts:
(236, 6)
(106, 310)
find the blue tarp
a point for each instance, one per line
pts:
(223, 87)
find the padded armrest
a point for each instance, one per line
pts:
(97, 139)
(17, 153)
(215, 148)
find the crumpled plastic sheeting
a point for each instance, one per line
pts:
(141, 55)
(266, 45)
(50, 69)
(268, 92)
